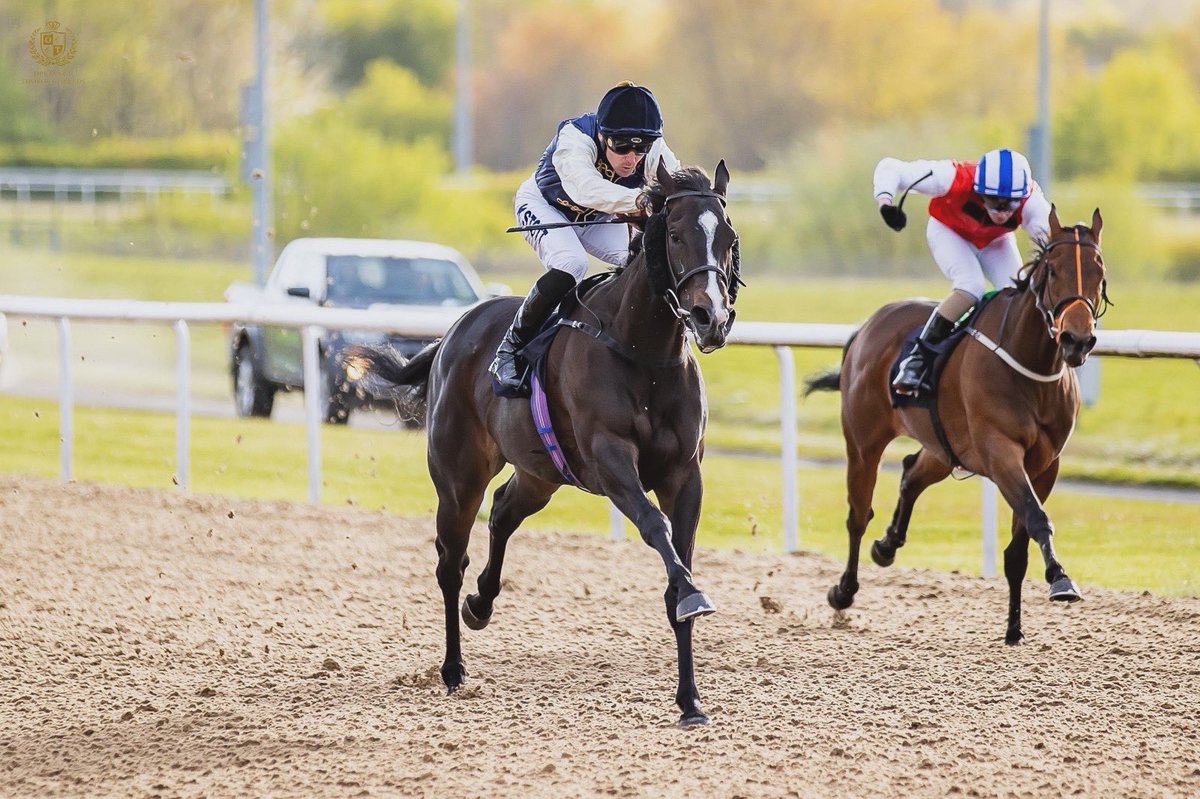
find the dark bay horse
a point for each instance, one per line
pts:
(1007, 404)
(626, 400)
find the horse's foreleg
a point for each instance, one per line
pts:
(921, 470)
(862, 469)
(1026, 498)
(683, 508)
(620, 483)
(521, 496)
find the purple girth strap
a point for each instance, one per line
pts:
(541, 420)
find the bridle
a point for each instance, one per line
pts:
(677, 281)
(1054, 316)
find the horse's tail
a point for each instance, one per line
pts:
(386, 374)
(829, 380)
(825, 381)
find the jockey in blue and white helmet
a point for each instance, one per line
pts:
(976, 208)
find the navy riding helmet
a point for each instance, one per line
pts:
(629, 110)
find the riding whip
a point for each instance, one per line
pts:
(554, 225)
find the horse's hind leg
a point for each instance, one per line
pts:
(460, 486)
(921, 470)
(521, 496)
(862, 470)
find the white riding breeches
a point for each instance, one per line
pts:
(567, 248)
(970, 268)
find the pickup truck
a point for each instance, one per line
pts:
(348, 273)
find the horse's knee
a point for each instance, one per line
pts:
(653, 525)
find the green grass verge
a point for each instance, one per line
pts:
(1114, 543)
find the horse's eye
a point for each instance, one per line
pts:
(674, 237)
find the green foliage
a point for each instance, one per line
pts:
(338, 179)
(393, 102)
(20, 120)
(1137, 120)
(418, 35)
(218, 152)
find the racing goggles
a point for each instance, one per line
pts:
(624, 145)
(1000, 203)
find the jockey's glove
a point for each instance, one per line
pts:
(895, 217)
(644, 204)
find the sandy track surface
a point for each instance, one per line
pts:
(156, 644)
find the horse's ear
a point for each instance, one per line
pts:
(1097, 223)
(1055, 225)
(721, 181)
(663, 175)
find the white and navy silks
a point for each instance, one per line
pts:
(574, 182)
(967, 246)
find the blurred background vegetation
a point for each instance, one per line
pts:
(800, 98)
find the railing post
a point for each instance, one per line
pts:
(616, 523)
(66, 408)
(312, 408)
(988, 489)
(183, 410)
(787, 439)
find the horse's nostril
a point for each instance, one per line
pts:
(701, 317)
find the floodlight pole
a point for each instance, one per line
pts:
(1042, 165)
(259, 168)
(462, 104)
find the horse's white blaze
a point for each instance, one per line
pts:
(708, 223)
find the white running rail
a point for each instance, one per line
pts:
(311, 320)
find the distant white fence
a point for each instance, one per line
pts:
(84, 183)
(434, 322)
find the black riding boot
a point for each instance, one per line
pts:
(913, 376)
(508, 368)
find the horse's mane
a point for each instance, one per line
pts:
(1025, 274)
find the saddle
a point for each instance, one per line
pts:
(941, 354)
(534, 353)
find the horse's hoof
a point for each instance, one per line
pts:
(469, 618)
(838, 599)
(1064, 590)
(695, 719)
(1014, 639)
(693, 606)
(881, 556)
(453, 675)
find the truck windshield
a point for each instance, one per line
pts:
(357, 281)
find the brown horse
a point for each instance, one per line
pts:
(625, 397)
(1006, 401)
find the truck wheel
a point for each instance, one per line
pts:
(252, 395)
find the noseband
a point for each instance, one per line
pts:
(677, 281)
(1054, 316)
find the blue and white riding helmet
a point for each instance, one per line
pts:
(1003, 173)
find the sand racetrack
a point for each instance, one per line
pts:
(158, 644)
